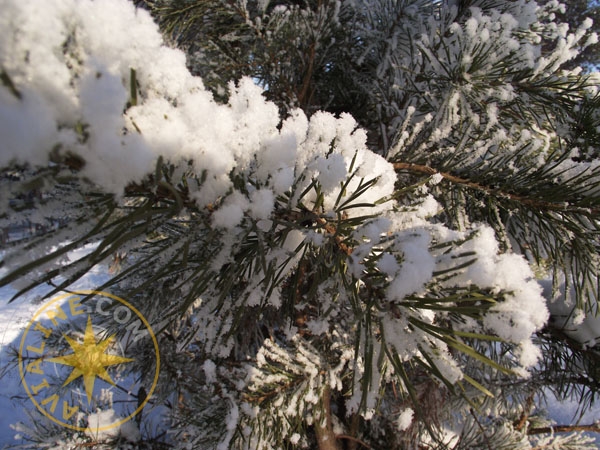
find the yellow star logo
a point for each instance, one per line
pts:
(89, 360)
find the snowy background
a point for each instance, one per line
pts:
(14, 403)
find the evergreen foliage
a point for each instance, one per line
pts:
(573, 14)
(352, 265)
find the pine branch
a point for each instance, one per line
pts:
(591, 428)
(556, 228)
(524, 200)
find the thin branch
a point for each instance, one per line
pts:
(591, 428)
(526, 411)
(480, 428)
(303, 95)
(352, 439)
(535, 203)
(329, 228)
(326, 438)
(354, 426)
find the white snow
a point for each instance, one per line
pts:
(405, 419)
(416, 268)
(101, 427)
(210, 371)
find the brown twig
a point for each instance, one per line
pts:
(354, 426)
(591, 428)
(303, 95)
(326, 438)
(332, 231)
(352, 439)
(306, 93)
(520, 424)
(535, 203)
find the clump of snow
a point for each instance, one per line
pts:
(77, 94)
(416, 268)
(231, 212)
(262, 202)
(106, 425)
(210, 371)
(523, 310)
(405, 419)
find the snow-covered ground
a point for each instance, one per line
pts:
(14, 317)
